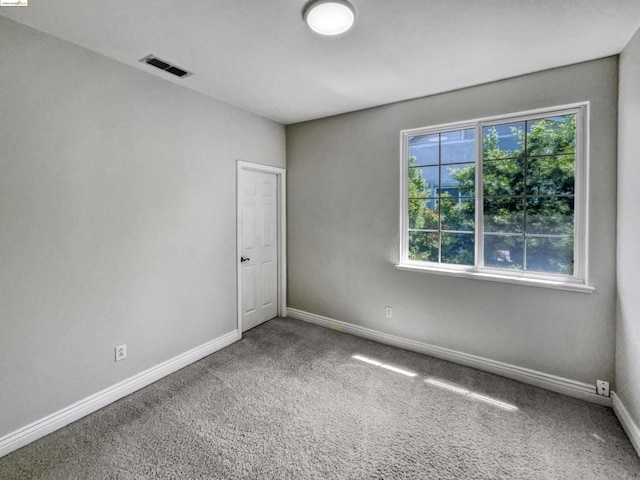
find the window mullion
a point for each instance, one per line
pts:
(404, 196)
(479, 230)
(438, 193)
(524, 197)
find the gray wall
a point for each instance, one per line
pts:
(628, 329)
(343, 236)
(117, 220)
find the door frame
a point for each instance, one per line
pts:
(281, 211)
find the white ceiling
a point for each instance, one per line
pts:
(260, 55)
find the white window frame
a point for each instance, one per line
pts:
(579, 280)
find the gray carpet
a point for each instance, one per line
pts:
(289, 401)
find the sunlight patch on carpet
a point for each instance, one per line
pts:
(376, 363)
(476, 396)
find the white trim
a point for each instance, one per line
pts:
(479, 225)
(527, 114)
(583, 144)
(281, 178)
(554, 383)
(404, 195)
(626, 420)
(484, 275)
(92, 403)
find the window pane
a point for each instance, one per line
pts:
(551, 135)
(503, 141)
(458, 146)
(423, 181)
(550, 215)
(503, 251)
(457, 248)
(461, 177)
(424, 149)
(550, 255)
(423, 214)
(458, 213)
(504, 177)
(423, 246)
(504, 214)
(551, 175)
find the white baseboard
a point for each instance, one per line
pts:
(61, 418)
(562, 385)
(630, 427)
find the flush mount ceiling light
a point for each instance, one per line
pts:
(330, 17)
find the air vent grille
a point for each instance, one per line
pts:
(177, 71)
(167, 67)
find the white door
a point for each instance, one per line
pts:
(258, 247)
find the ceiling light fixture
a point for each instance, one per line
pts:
(330, 17)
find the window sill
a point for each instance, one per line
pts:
(493, 277)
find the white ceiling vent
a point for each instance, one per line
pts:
(166, 66)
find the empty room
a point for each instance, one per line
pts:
(319, 239)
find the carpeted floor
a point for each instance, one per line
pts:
(289, 401)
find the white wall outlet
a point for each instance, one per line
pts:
(602, 388)
(388, 312)
(121, 352)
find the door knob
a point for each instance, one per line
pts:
(244, 259)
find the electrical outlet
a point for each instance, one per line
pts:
(602, 387)
(121, 352)
(388, 312)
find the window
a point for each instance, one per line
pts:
(501, 198)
